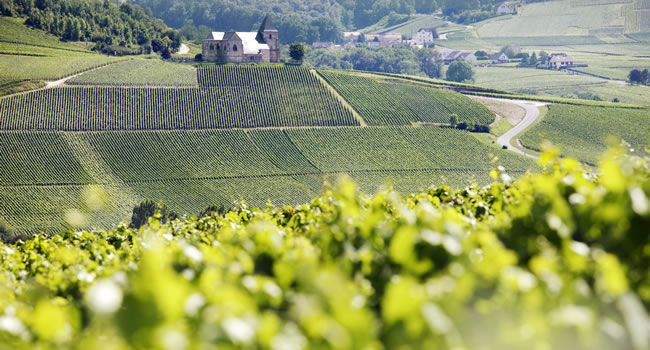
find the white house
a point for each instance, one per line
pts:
(422, 37)
(499, 58)
(559, 61)
(504, 9)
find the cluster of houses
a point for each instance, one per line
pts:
(422, 38)
(450, 55)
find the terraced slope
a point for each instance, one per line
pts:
(582, 131)
(385, 101)
(192, 169)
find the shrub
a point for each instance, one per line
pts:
(148, 209)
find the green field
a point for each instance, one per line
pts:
(140, 72)
(569, 18)
(12, 30)
(560, 84)
(582, 132)
(34, 56)
(394, 102)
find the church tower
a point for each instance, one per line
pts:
(270, 35)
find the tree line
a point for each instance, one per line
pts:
(305, 21)
(398, 60)
(115, 29)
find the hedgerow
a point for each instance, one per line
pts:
(556, 260)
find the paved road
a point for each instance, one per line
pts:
(532, 112)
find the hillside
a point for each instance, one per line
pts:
(555, 255)
(582, 132)
(603, 19)
(30, 57)
(254, 133)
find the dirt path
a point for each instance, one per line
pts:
(60, 82)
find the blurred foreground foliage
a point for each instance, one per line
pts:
(557, 260)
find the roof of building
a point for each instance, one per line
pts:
(249, 40)
(250, 43)
(267, 25)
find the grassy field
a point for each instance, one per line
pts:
(29, 56)
(12, 30)
(582, 132)
(385, 101)
(559, 84)
(567, 18)
(50, 68)
(139, 72)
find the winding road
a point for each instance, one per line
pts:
(532, 113)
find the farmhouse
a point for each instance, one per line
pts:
(239, 47)
(559, 61)
(504, 9)
(423, 37)
(498, 58)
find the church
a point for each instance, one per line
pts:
(242, 47)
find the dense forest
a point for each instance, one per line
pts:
(115, 29)
(303, 20)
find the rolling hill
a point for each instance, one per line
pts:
(254, 133)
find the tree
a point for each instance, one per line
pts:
(166, 53)
(453, 119)
(297, 51)
(460, 71)
(430, 63)
(636, 76)
(543, 57)
(147, 209)
(213, 210)
(644, 76)
(532, 61)
(198, 57)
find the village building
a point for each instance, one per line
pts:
(504, 9)
(351, 36)
(499, 58)
(383, 40)
(422, 37)
(559, 61)
(451, 55)
(323, 45)
(240, 47)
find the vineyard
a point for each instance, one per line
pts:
(108, 108)
(50, 68)
(582, 132)
(391, 102)
(191, 169)
(512, 265)
(140, 72)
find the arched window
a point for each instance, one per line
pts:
(270, 36)
(218, 47)
(234, 47)
(211, 47)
